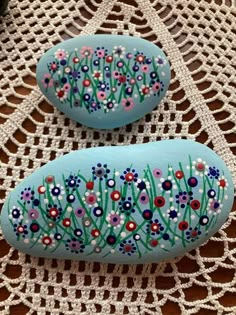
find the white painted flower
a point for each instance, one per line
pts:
(110, 105)
(161, 62)
(118, 51)
(173, 214)
(223, 183)
(61, 54)
(200, 167)
(97, 75)
(16, 214)
(61, 94)
(142, 184)
(47, 240)
(145, 90)
(57, 191)
(163, 185)
(214, 206)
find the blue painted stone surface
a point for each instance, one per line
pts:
(104, 81)
(130, 204)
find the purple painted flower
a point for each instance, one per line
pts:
(75, 246)
(143, 198)
(27, 195)
(115, 220)
(80, 212)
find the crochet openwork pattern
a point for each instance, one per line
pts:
(198, 37)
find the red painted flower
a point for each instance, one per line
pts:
(95, 233)
(90, 185)
(159, 201)
(154, 243)
(131, 226)
(66, 222)
(179, 174)
(109, 59)
(86, 82)
(41, 189)
(195, 204)
(115, 195)
(183, 225)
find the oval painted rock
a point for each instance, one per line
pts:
(130, 204)
(104, 81)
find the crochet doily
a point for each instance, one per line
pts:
(199, 39)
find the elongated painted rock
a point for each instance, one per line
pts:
(104, 81)
(131, 204)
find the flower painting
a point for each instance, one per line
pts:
(101, 79)
(130, 211)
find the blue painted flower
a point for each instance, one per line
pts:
(75, 75)
(183, 198)
(100, 171)
(192, 234)
(126, 205)
(73, 182)
(129, 176)
(154, 227)
(20, 229)
(213, 172)
(94, 106)
(75, 246)
(127, 247)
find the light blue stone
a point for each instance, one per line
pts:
(104, 81)
(131, 204)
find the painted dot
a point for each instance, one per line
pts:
(41, 189)
(154, 243)
(195, 204)
(123, 234)
(179, 174)
(137, 237)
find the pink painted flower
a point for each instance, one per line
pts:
(156, 86)
(116, 74)
(61, 54)
(128, 104)
(145, 68)
(66, 87)
(86, 52)
(101, 95)
(47, 80)
(100, 53)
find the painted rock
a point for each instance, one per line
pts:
(157, 201)
(104, 81)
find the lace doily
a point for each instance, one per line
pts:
(199, 39)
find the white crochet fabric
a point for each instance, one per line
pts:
(199, 39)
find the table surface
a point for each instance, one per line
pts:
(211, 248)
